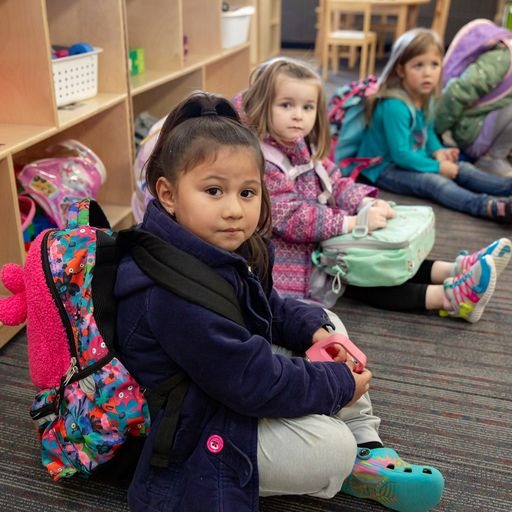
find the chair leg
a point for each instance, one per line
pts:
(363, 65)
(352, 57)
(318, 46)
(380, 47)
(371, 64)
(319, 42)
(335, 60)
(325, 61)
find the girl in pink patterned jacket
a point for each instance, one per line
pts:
(311, 201)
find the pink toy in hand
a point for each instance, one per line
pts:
(319, 351)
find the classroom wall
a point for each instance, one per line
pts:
(298, 18)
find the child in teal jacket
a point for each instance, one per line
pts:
(401, 132)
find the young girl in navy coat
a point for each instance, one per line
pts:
(256, 420)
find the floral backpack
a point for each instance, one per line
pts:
(88, 404)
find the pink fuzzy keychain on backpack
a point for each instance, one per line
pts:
(48, 350)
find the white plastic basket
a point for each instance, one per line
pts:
(235, 26)
(75, 77)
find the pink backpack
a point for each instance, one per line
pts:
(72, 173)
(142, 196)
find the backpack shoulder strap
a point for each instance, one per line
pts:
(181, 273)
(190, 278)
(400, 94)
(279, 159)
(86, 212)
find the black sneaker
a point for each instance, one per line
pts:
(501, 210)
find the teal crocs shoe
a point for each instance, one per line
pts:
(381, 475)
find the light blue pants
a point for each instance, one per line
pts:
(469, 192)
(313, 454)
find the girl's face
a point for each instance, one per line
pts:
(294, 108)
(421, 74)
(220, 200)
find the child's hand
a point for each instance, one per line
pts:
(450, 154)
(449, 169)
(454, 154)
(336, 351)
(362, 381)
(377, 217)
(386, 207)
(320, 334)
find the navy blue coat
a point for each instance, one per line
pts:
(236, 378)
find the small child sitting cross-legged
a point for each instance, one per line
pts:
(256, 420)
(285, 105)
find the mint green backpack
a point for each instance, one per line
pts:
(385, 257)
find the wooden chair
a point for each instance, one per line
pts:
(440, 18)
(384, 20)
(331, 38)
(343, 21)
(500, 10)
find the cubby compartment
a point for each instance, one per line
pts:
(182, 53)
(11, 248)
(108, 134)
(12, 241)
(75, 21)
(158, 32)
(229, 75)
(201, 30)
(268, 29)
(27, 105)
(159, 101)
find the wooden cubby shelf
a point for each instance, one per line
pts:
(183, 52)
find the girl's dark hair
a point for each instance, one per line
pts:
(258, 99)
(193, 133)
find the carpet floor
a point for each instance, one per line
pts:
(442, 388)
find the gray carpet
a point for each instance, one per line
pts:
(441, 386)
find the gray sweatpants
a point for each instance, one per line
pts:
(313, 454)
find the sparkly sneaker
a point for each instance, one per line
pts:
(500, 250)
(467, 294)
(381, 475)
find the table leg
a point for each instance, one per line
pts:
(412, 17)
(401, 22)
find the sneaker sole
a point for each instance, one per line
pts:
(399, 490)
(479, 308)
(501, 254)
